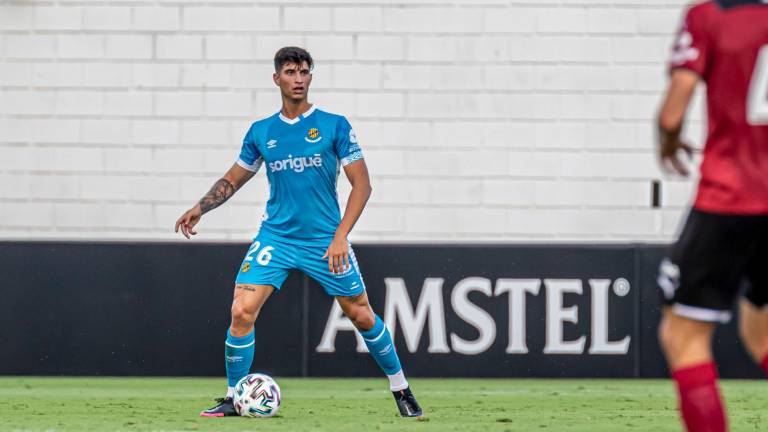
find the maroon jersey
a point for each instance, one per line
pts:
(726, 43)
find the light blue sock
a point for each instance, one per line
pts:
(379, 343)
(238, 355)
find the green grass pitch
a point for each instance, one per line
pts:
(173, 404)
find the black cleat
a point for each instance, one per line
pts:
(407, 404)
(225, 408)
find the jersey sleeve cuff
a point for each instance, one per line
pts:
(693, 69)
(354, 157)
(254, 167)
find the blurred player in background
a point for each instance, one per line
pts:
(725, 239)
(303, 148)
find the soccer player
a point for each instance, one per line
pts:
(302, 148)
(725, 239)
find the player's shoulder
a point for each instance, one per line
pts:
(725, 5)
(329, 117)
(713, 8)
(259, 128)
(702, 9)
(705, 16)
(721, 17)
(265, 121)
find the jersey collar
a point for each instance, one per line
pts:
(306, 114)
(727, 4)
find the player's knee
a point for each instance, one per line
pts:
(753, 330)
(362, 318)
(241, 316)
(670, 337)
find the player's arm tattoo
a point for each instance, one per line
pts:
(218, 195)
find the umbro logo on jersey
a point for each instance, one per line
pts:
(313, 136)
(271, 144)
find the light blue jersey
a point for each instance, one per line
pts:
(302, 158)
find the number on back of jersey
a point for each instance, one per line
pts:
(757, 100)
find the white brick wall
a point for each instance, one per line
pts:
(482, 120)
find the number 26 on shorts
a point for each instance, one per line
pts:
(263, 256)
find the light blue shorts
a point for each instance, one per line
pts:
(270, 258)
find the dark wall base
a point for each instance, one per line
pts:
(163, 309)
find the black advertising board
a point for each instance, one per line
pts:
(490, 311)
(128, 309)
(106, 308)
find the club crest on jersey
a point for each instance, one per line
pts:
(313, 136)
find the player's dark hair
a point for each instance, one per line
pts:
(292, 55)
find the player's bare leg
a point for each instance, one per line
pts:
(239, 347)
(753, 326)
(686, 342)
(358, 310)
(687, 345)
(246, 305)
(382, 349)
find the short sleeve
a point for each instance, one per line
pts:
(692, 47)
(346, 146)
(250, 156)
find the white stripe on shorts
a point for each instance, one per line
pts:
(701, 314)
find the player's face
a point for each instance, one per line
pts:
(294, 80)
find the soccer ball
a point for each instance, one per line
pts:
(257, 395)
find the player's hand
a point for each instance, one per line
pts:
(188, 220)
(670, 146)
(338, 255)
